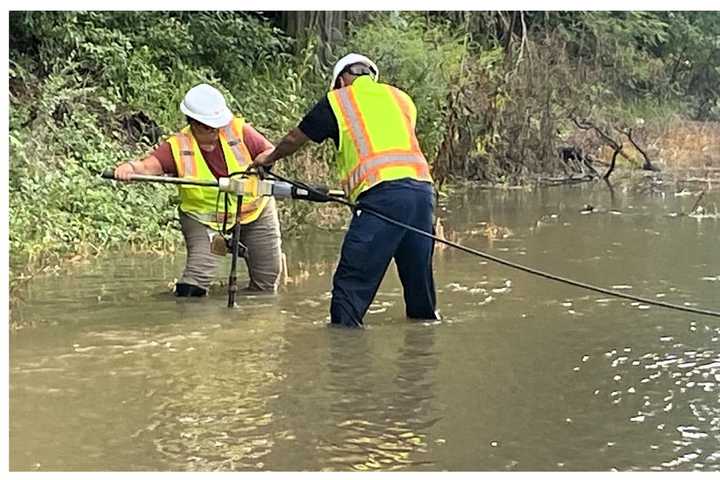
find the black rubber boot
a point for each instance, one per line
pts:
(187, 290)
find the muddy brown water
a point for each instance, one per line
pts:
(522, 374)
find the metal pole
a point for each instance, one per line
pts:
(235, 246)
(110, 174)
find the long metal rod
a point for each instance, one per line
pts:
(162, 179)
(277, 190)
(232, 279)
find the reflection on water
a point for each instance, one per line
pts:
(214, 413)
(522, 373)
(382, 405)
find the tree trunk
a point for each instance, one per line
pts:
(329, 27)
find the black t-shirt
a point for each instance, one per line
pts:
(320, 123)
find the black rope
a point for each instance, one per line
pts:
(499, 260)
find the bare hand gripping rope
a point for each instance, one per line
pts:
(257, 185)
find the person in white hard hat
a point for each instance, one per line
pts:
(383, 168)
(215, 144)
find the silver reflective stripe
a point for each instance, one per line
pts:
(353, 120)
(186, 155)
(216, 217)
(234, 144)
(362, 171)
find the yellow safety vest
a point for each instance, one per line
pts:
(377, 136)
(207, 204)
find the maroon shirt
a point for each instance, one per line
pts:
(254, 141)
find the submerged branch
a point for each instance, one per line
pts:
(610, 169)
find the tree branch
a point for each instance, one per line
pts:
(647, 165)
(610, 169)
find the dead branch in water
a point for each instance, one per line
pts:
(648, 164)
(610, 169)
(554, 181)
(617, 147)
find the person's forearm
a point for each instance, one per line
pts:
(284, 148)
(289, 144)
(149, 166)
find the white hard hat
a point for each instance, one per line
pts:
(352, 59)
(206, 104)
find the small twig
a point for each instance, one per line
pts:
(588, 163)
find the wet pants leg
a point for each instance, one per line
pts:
(366, 252)
(262, 239)
(371, 243)
(413, 258)
(201, 265)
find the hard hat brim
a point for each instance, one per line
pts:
(214, 121)
(350, 59)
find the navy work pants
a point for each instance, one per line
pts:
(370, 244)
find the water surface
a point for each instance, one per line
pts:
(522, 374)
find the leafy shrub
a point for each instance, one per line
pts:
(421, 59)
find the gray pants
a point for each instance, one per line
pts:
(263, 259)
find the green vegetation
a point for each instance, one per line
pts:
(494, 92)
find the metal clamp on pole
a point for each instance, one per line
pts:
(242, 185)
(257, 187)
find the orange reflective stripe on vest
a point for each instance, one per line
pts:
(407, 116)
(186, 166)
(233, 139)
(371, 167)
(352, 117)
